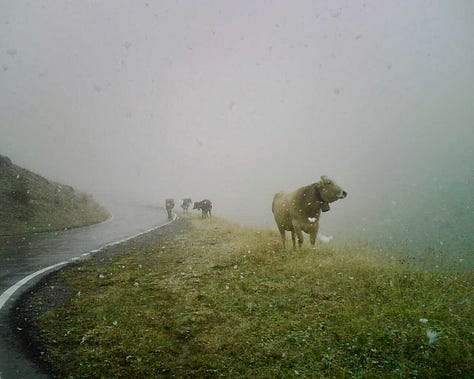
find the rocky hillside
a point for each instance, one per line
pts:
(30, 203)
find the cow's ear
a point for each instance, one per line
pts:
(325, 180)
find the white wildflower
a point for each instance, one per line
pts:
(423, 320)
(432, 336)
(115, 322)
(101, 276)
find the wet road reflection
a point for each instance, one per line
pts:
(22, 256)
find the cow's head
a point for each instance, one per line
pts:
(196, 205)
(330, 191)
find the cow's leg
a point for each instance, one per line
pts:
(299, 233)
(283, 238)
(203, 213)
(293, 239)
(312, 239)
(281, 229)
(313, 234)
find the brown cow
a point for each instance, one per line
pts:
(299, 211)
(185, 205)
(169, 204)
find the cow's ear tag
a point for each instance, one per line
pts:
(325, 206)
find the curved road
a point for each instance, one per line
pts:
(35, 255)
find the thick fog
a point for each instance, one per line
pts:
(236, 100)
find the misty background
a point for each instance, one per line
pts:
(237, 100)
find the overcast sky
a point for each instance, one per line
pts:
(236, 100)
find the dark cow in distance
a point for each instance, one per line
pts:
(169, 204)
(185, 205)
(205, 206)
(299, 211)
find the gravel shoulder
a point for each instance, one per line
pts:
(51, 292)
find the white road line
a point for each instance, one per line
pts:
(5, 296)
(10, 291)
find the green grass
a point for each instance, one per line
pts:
(30, 203)
(226, 301)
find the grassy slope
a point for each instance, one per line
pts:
(223, 300)
(30, 203)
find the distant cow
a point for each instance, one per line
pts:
(186, 204)
(169, 203)
(205, 206)
(299, 211)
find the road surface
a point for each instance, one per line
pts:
(24, 260)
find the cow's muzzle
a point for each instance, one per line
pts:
(342, 195)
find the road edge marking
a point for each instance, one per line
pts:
(8, 293)
(5, 296)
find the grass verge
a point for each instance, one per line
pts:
(220, 300)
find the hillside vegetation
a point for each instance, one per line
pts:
(30, 203)
(219, 300)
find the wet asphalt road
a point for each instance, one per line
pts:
(22, 256)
